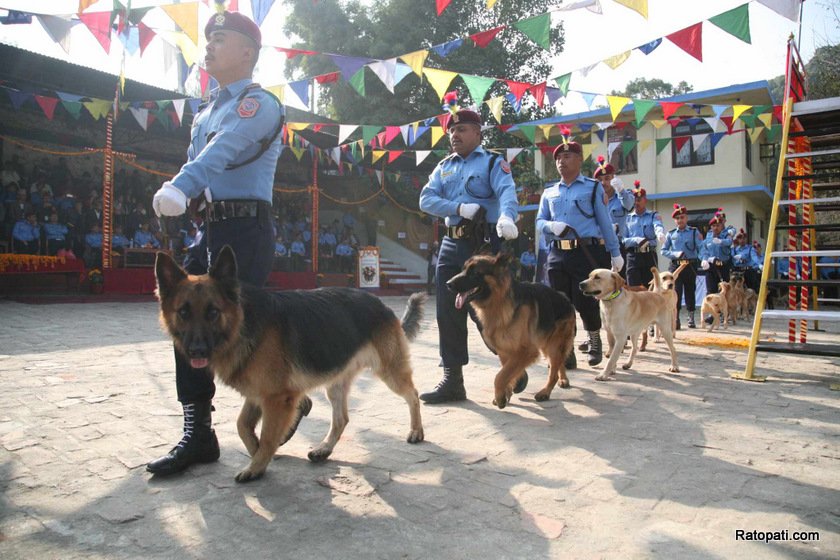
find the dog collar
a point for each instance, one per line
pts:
(612, 296)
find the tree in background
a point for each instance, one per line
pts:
(394, 27)
(654, 88)
(823, 73)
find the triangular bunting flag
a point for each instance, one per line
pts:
(348, 65)
(529, 132)
(495, 104)
(393, 155)
(736, 22)
(385, 70)
(47, 105)
(73, 107)
(680, 141)
(260, 9)
(648, 48)
(661, 143)
(587, 151)
(99, 23)
(391, 132)
(483, 38)
(669, 108)
(698, 140)
(511, 153)
(58, 29)
(437, 134)
(186, 17)
(421, 155)
(563, 83)
(518, 89)
(553, 95)
(537, 29)
(301, 89)
(616, 103)
(738, 110)
(766, 119)
(445, 49)
(381, 174)
(441, 5)
(644, 145)
(17, 98)
(345, 130)
(478, 86)
(642, 108)
(335, 154)
(615, 61)
(178, 104)
(439, 79)
(141, 116)
(97, 108)
(690, 40)
(416, 60)
(85, 4)
(369, 132)
(754, 134)
(628, 145)
(588, 98)
(375, 155)
(787, 8)
(716, 136)
(538, 93)
(640, 6)
(358, 81)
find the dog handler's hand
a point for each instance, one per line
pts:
(557, 228)
(660, 237)
(617, 263)
(617, 184)
(704, 265)
(169, 201)
(468, 210)
(506, 228)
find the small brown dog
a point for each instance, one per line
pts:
(664, 283)
(717, 306)
(736, 298)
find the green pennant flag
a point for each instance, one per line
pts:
(563, 82)
(774, 134)
(628, 145)
(761, 109)
(661, 143)
(528, 132)
(73, 107)
(749, 120)
(642, 107)
(537, 29)
(440, 153)
(163, 104)
(369, 132)
(358, 81)
(478, 86)
(736, 22)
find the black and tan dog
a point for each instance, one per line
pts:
(273, 348)
(519, 319)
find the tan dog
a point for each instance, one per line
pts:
(750, 301)
(664, 283)
(736, 298)
(628, 313)
(718, 306)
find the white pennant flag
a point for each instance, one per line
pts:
(712, 122)
(511, 153)
(345, 130)
(179, 109)
(787, 8)
(381, 176)
(611, 148)
(335, 153)
(421, 155)
(386, 71)
(404, 131)
(141, 115)
(698, 140)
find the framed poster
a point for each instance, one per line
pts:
(369, 267)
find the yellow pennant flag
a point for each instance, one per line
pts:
(361, 143)
(439, 79)
(587, 151)
(416, 60)
(186, 16)
(644, 145)
(437, 134)
(546, 130)
(755, 133)
(85, 4)
(298, 152)
(617, 103)
(640, 6)
(766, 119)
(490, 4)
(278, 91)
(658, 123)
(375, 155)
(617, 60)
(185, 44)
(98, 108)
(738, 110)
(495, 104)
(292, 126)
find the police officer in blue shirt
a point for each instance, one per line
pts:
(468, 179)
(619, 200)
(55, 234)
(573, 217)
(716, 255)
(682, 245)
(745, 259)
(26, 235)
(234, 146)
(644, 230)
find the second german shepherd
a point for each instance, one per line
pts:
(519, 319)
(273, 348)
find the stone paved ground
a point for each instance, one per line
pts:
(649, 466)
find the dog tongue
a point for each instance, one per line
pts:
(459, 300)
(199, 363)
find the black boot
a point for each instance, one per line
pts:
(584, 347)
(198, 445)
(450, 388)
(571, 361)
(596, 353)
(691, 324)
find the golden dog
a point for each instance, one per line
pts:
(718, 306)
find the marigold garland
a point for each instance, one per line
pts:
(27, 262)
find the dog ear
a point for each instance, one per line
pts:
(224, 272)
(618, 281)
(504, 259)
(167, 274)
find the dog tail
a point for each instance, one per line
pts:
(413, 314)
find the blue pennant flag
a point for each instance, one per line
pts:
(648, 48)
(445, 49)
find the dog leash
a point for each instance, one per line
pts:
(586, 252)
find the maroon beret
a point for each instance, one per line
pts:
(715, 220)
(639, 191)
(603, 168)
(572, 147)
(461, 117)
(679, 210)
(233, 21)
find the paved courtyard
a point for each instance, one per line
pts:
(652, 465)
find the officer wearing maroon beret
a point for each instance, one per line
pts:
(574, 219)
(619, 200)
(231, 163)
(469, 179)
(682, 245)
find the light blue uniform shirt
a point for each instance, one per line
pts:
(458, 180)
(682, 243)
(119, 241)
(24, 231)
(94, 240)
(646, 226)
(55, 231)
(619, 206)
(298, 248)
(143, 238)
(573, 204)
(745, 255)
(527, 258)
(229, 131)
(712, 250)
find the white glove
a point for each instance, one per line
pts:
(716, 240)
(617, 263)
(557, 228)
(617, 184)
(169, 201)
(661, 238)
(704, 265)
(679, 254)
(468, 210)
(506, 228)
(208, 198)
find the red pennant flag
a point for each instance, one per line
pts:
(47, 105)
(621, 125)
(679, 141)
(538, 91)
(441, 5)
(204, 79)
(545, 149)
(379, 140)
(327, 78)
(394, 154)
(518, 89)
(291, 53)
(669, 108)
(146, 36)
(391, 132)
(777, 112)
(442, 120)
(690, 40)
(728, 121)
(483, 39)
(174, 118)
(674, 121)
(317, 127)
(99, 23)
(504, 127)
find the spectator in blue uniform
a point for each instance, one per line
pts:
(144, 238)
(344, 255)
(469, 179)
(55, 234)
(26, 235)
(93, 246)
(682, 245)
(298, 253)
(231, 162)
(527, 264)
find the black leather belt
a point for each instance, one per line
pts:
(645, 249)
(218, 211)
(687, 261)
(569, 244)
(461, 231)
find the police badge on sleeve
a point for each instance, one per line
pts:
(248, 107)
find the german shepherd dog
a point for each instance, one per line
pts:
(518, 319)
(274, 348)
